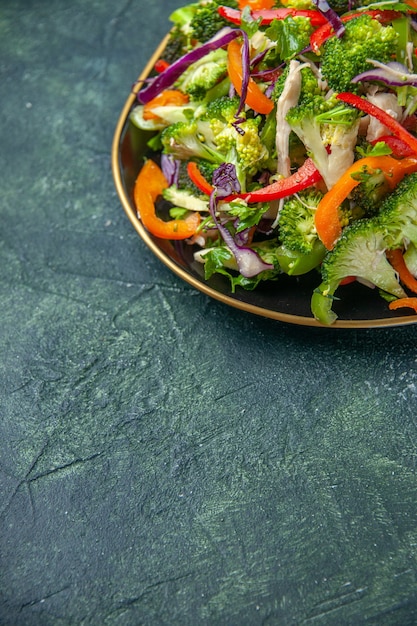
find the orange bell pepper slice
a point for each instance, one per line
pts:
(327, 221)
(396, 258)
(165, 98)
(410, 303)
(150, 184)
(256, 4)
(255, 98)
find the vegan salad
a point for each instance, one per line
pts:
(284, 137)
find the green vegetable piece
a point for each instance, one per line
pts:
(345, 57)
(291, 35)
(328, 130)
(296, 226)
(203, 75)
(295, 263)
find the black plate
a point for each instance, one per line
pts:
(287, 299)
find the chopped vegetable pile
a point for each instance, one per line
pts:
(284, 141)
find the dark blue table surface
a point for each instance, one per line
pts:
(165, 459)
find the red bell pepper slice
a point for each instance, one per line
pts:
(382, 116)
(267, 16)
(398, 147)
(198, 179)
(161, 65)
(306, 176)
(150, 184)
(325, 31)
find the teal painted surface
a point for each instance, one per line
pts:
(165, 459)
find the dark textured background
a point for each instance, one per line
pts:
(166, 460)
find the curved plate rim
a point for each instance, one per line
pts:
(196, 282)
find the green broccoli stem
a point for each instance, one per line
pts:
(401, 26)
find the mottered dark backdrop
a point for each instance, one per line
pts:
(165, 459)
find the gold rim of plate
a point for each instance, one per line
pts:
(195, 282)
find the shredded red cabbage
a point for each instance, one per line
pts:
(225, 181)
(170, 168)
(393, 74)
(225, 184)
(245, 71)
(169, 76)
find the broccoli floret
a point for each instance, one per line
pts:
(199, 21)
(250, 151)
(178, 44)
(310, 87)
(328, 130)
(183, 179)
(398, 214)
(218, 137)
(280, 83)
(361, 249)
(340, 6)
(359, 252)
(203, 75)
(191, 140)
(368, 195)
(300, 250)
(296, 226)
(223, 109)
(309, 84)
(238, 139)
(345, 57)
(180, 35)
(184, 199)
(207, 169)
(206, 21)
(244, 149)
